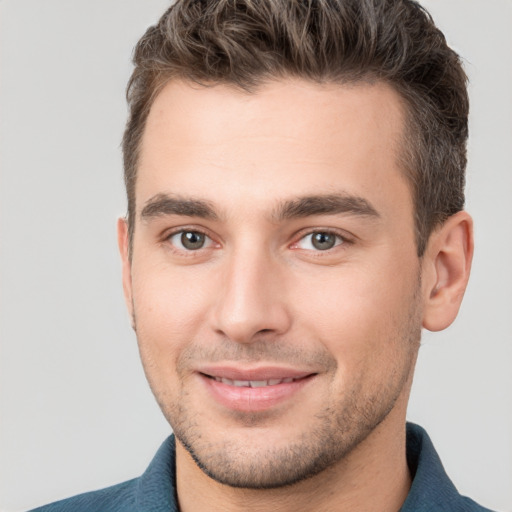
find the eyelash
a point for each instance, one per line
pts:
(341, 240)
(181, 231)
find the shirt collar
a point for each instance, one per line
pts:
(431, 488)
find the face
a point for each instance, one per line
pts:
(274, 282)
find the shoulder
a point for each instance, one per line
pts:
(431, 490)
(119, 498)
(470, 506)
(154, 491)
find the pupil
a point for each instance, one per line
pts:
(323, 241)
(192, 240)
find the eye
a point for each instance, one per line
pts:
(190, 240)
(320, 241)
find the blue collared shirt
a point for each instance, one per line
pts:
(155, 490)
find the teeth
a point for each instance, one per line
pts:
(258, 383)
(253, 383)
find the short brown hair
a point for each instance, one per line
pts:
(245, 42)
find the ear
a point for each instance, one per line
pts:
(446, 267)
(123, 242)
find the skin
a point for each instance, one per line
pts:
(232, 166)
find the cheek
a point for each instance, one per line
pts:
(361, 314)
(169, 307)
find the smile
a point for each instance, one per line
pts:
(253, 383)
(254, 390)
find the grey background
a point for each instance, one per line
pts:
(75, 410)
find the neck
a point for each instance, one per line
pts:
(374, 476)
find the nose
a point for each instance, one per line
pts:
(252, 299)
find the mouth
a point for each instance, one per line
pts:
(253, 390)
(253, 383)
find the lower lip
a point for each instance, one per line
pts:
(249, 399)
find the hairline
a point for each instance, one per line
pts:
(406, 152)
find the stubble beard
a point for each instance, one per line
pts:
(332, 435)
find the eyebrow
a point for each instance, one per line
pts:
(329, 204)
(306, 206)
(164, 204)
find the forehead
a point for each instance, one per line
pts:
(288, 137)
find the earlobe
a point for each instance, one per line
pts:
(123, 241)
(446, 268)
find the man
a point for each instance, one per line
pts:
(295, 176)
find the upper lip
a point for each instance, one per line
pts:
(257, 373)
